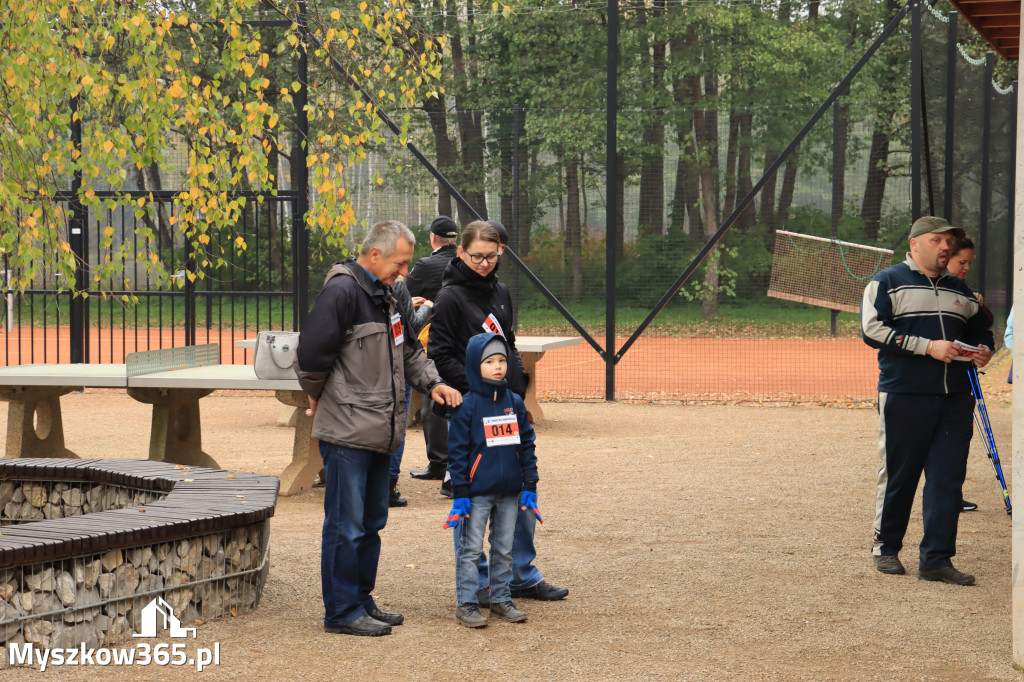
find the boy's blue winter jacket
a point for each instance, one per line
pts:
(475, 467)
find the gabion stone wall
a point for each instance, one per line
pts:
(81, 559)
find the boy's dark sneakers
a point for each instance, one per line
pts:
(365, 626)
(470, 616)
(389, 617)
(946, 574)
(506, 610)
(543, 591)
(483, 597)
(968, 506)
(889, 563)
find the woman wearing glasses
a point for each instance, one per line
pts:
(472, 301)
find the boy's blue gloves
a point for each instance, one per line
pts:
(460, 509)
(528, 500)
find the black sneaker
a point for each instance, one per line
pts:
(889, 563)
(389, 617)
(446, 489)
(946, 574)
(506, 610)
(968, 506)
(366, 626)
(470, 616)
(543, 591)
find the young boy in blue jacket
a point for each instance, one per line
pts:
(493, 466)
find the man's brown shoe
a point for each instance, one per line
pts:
(946, 574)
(889, 563)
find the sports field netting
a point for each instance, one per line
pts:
(770, 314)
(824, 272)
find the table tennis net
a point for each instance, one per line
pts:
(824, 272)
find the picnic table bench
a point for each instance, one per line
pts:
(35, 425)
(173, 381)
(531, 350)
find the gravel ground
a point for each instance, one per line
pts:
(697, 543)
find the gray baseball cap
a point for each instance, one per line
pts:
(929, 224)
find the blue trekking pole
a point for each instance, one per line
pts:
(981, 419)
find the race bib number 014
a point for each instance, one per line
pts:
(503, 430)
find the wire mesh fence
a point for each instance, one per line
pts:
(722, 334)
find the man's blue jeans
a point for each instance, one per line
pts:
(524, 573)
(501, 509)
(355, 511)
(396, 456)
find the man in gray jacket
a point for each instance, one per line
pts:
(354, 356)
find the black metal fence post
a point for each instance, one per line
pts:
(986, 186)
(611, 209)
(300, 250)
(951, 61)
(1011, 178)
(517, 239)
(837, 199)
(915, 110)
(78, 322)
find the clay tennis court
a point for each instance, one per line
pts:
(689, 369)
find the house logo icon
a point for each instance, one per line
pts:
(156, 612)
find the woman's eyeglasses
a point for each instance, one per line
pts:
(478, 258)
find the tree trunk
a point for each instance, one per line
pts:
(744, 183)
(732, 152)
(768, 191)
(702, 132)
(651, 218)
(574, 227)
(878, 173)
(445, 150)
(471, 180)
(788, 187)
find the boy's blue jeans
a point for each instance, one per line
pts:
(501, 510)
(355, 511)
(524, 573)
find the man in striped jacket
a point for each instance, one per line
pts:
(915, 313)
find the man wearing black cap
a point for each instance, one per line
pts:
(917, 315)
(425, 281)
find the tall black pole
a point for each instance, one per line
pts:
(837, 201)
(915, 110)
(79, 245)
(611, 209)
(1011, 177)
(951, 61)
(301, 181)
(517, 239)
(986, 185)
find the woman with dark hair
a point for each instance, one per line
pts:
(960, 259)
(472, 301)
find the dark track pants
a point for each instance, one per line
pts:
(435, 435)
(930, 434)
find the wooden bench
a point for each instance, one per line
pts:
(35, 426)
(531, 349)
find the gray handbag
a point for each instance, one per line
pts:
(275, 355)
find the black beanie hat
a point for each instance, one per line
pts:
(502, 232)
